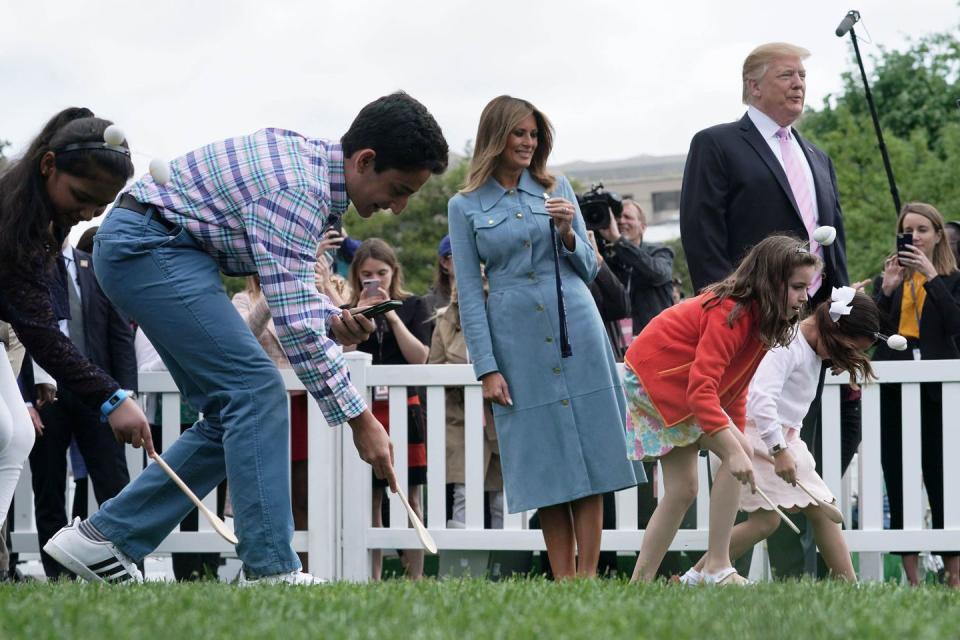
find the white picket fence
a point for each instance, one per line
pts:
(340, 536)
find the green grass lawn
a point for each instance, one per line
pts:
(478, 609)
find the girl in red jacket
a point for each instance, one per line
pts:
(839, 330)
(686, 383)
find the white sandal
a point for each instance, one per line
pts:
(724, 577)
(692, 578)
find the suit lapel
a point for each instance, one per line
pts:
(750, 133)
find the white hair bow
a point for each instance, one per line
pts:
(840, 302)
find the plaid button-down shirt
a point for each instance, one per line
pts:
(259, 204)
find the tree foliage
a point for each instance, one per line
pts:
(415, 233)
(915, 91)
(3, 158)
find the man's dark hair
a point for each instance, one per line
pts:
(402, 133)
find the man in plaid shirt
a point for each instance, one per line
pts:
(252, 204)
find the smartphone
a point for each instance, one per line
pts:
(903, 240)
(370, 287)
(381, 308)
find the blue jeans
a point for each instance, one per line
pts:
(171, 287)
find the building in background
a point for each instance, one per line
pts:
(653, 181)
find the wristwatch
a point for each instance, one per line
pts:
(777, 448)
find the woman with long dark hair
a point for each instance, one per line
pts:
(68, 174)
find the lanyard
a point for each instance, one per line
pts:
(565, 350)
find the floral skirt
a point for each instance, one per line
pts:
(647, 437)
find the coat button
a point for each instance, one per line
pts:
(526, 243)
(540, 307)
(556, 370)
(532, 275)
(490, 221)
(519, 215)
(565, 402)
(548, 339)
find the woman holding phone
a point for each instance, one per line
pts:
(559, 411)
(402, 337)
(919, 298)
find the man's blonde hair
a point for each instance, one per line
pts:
(760, 59)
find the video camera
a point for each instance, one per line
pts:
(596, 206)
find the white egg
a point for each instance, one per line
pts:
(825, 235)
(114, 135)
(160, 171)
(897, 342)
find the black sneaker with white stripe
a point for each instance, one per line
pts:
(92, 560)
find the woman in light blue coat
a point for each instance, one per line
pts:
(559, 419)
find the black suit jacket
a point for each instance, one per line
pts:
(939, 321)
(735, 194)
(108, 333)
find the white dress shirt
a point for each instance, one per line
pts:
(768, 129)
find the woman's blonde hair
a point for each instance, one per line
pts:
(499, 118)
(943, 260)
(378, 250)
(762, 57)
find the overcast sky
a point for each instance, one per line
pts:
(617, 77)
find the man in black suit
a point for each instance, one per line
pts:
(736, 189)
(103, 335)
(757, 177)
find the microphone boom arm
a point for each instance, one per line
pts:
(873, 113)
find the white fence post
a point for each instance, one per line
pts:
(323, 490)
(910, 449)
(473, 463)
(356, 494)
(436, 457)
(401, 458)
(830, 438)
(870, 504)
(951, 444)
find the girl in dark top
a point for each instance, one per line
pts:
(402, 337)
(919, 298)
(68, 174)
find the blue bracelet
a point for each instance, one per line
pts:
(113, 402)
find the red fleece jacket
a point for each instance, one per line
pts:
(692, 362)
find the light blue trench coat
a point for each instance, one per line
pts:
(563, 438)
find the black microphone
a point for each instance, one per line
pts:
(847, 23)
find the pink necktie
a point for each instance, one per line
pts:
(801, 193)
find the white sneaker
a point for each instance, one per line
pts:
(91, 560)
(298, 578)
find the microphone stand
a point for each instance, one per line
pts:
(876, 121)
